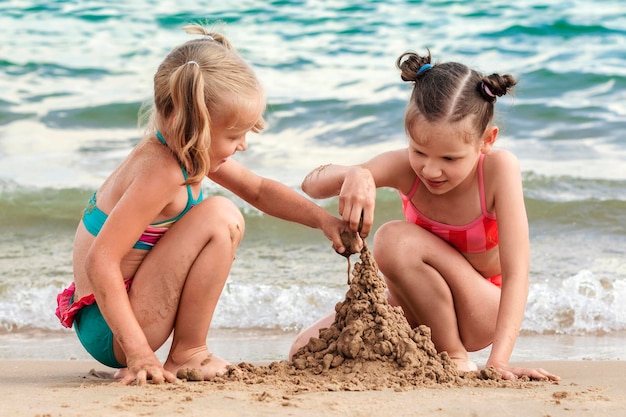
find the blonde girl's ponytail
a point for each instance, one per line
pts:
(190, 128)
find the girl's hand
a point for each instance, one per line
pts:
(140, 369)
(512, 372)
(357, 199)
(345, 242)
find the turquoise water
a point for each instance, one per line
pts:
(73, 75)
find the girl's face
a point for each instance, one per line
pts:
(225, 141)
(443, 155)
(228, 137)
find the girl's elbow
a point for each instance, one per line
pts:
(309, 189)
(93, 263)
(306, 188)
(97, 260)
(91, 260)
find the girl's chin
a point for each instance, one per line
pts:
(216, 166)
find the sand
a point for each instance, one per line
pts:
(369, 346)
(368, 363)
(68, 388)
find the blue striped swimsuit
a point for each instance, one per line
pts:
(94, 218)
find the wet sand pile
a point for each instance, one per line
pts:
(369, 346)
(372, 338)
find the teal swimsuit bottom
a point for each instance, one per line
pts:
(95, 335)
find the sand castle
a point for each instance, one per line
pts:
(373, 341)
(369, 346)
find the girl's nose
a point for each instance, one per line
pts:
(431, 170)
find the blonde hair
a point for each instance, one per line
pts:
(197, 81)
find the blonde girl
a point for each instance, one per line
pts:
(151, 253)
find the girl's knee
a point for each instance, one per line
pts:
(388, 242)
(385, 234)
(393, 232)
(223, 218)
(232, 218)
(401, 246)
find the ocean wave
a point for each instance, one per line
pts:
(578, 305)
(106, 116)
(31, 206)
(570, 188)
(559, 28)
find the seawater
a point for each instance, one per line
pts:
(73, 75)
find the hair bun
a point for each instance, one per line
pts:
(412, 65)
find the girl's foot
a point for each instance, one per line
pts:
(464, 365)
(120, 373)
(199, 365)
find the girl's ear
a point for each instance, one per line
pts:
(489, 137)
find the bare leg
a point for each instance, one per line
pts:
(179, 283)
(199, 298)
(312, 331)
(436, 286)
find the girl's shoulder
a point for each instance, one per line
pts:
(501, 172)
(154, 152)
(151, 162)
(499, 160)
(392, 169)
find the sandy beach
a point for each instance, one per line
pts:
(82, 388)
(369, 362)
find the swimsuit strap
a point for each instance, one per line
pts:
(191, 201)
(161, 138)
(413, 189)
(481, 187)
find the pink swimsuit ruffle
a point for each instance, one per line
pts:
(66, 309)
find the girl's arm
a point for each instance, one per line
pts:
(514, 249)
(278, 200)
(141, 202)
(356, 185)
